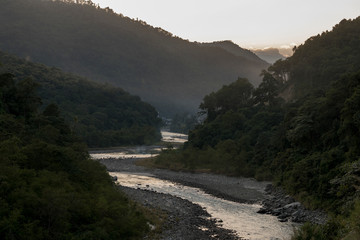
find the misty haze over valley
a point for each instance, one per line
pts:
(114, 128)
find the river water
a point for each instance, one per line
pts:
(242, 218)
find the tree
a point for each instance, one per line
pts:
(52, 110)
(28, 101)
(230, 97)
(268, 90)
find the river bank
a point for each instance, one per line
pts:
(184, 220)
(242, 190)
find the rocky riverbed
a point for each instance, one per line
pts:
(185, 220)
(243, 190)
(283, 206)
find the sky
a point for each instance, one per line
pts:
(253, 24)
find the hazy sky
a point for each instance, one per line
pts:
(249, 23)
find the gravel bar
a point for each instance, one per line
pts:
(243, 190)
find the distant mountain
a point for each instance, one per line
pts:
(235, 49)
(171, 73)
(101, 114)
(270, 55)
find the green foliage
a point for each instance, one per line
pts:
(267, 91)
(229, 97)
(101, 114)
(171, 73)
(309, 146)
(322, 59)
(183, 123)
(49, 188)
(329, 231)
(302, 146)
(232, 135)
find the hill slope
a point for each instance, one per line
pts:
(321, 60)
(171, 73)
(101, 114)
(231, 47)
(50, 188)
(309, 146)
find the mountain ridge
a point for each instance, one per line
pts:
(101, 114)
(235, 49)
(171, 73)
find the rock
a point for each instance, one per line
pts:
(286, 208)
(268, 188)
(274, 200)
(277, 211)
(185, 220)
(262, 211)
(293, 205)
(152, 227)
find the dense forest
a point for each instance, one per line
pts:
(170, 73)
(321, 60)
(308, 144)
(231, 47)
(183, 123)
(101, 114)
(50, 188)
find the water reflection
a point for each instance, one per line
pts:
(139, 151)
(239, 217)
(127, 152)
(173, 137)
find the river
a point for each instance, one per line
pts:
(240, 217)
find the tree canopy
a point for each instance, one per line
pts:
(322, 59)
(103, 115)
(309, 145)
(49, 187)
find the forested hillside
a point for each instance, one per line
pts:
(234, 49)
(101, 114)
(321, 60)
(309, 146)
(170, 73)
(50, 188)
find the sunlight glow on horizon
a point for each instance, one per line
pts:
(249, 23)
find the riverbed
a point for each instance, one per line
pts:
(232, 203)
(240, 217)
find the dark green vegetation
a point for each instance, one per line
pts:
(309, 145)
(231, 47)
(321, 60)
(49, 188)
(101, 114)
(170, 73)
(183, 123)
